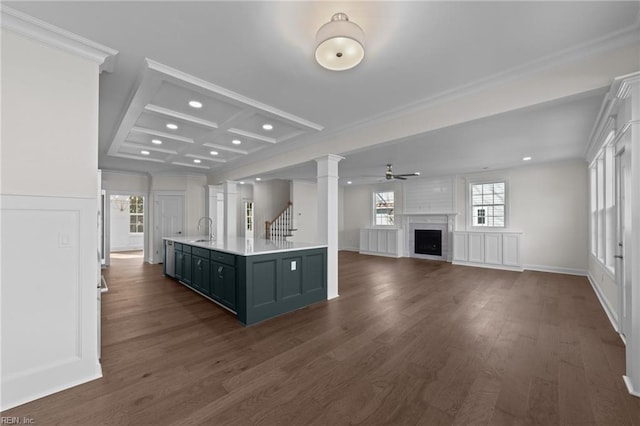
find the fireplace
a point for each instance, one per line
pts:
(432, 226)
(428, 241)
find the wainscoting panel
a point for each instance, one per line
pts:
(49, 295)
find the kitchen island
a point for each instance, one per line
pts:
(255, 279)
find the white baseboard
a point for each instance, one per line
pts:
(39, 384)
(630, 388)
(372, 253)
(613, 317)
(487, 266)
(556, 270)
(356, 249)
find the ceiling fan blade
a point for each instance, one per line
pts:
(401, 177)
(407, 175)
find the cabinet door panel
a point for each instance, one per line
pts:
(179, 263)
(187, 270)
(200, 279)
(493, 248)
(217, 281)
(476, 247)
(511, 249)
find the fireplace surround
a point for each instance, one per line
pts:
(441, 223)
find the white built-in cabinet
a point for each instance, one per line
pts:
(489, 249)
(382, 241)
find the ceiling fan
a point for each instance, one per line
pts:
(389, 174)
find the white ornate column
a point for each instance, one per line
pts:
(328, 216)
(230, 191)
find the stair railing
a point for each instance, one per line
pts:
(280, 228)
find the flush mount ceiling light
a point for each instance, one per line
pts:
(339, 44)
(213, 152)
(172, 126)
(267, 126)
(236, 142)
(156, 141)
(195, 104)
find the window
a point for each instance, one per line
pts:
(383, 208)
(487, 204)
(136, 214)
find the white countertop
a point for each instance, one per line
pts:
(245, 247)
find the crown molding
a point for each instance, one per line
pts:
(41, 31)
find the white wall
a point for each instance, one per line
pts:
(49, 187)
(304, 196)
(548, 203)
(358, 211)
(269, 198)
(125, 182)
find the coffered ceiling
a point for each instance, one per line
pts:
(175, 119)
(439, 80)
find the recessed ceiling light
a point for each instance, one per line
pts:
(213, 152)
(242, 182)
(195, 104)
(172, 126)
(236, 142)
(349, 182)
(156, 141)
(197, 161)
(258, 179)
(267, 126)
(417, 173)
(145, 152)
(526, 158)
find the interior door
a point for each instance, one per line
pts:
(623, 252)
(169, 220)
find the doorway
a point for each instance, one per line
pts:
(127, 224)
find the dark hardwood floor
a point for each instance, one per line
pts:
(407, 342)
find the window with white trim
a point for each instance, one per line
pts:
(488, 204)
(136, 215)
(383, 208)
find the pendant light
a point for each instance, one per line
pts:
(339, 44)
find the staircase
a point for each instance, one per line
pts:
(280, 228)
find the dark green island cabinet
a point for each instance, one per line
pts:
(256, 279)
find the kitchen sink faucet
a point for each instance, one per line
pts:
(212, 236)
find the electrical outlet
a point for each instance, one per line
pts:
(294, 265)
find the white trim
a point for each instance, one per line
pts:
(630, 388)
(251, 135)
(354, 249)
(611, 314)
(181, 116)
(556, 270)
(172, 72)
(375, 253)
(225, 148)
(164, 135)
(487, 266)
(41, 31)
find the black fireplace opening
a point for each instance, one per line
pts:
(428, 241)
